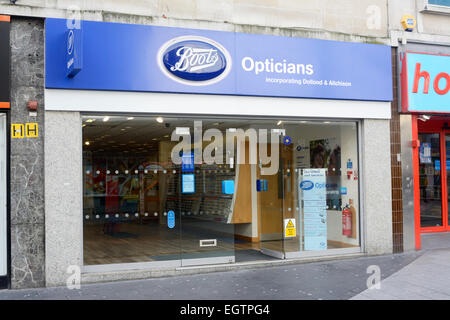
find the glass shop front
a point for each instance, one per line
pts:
(184, 191)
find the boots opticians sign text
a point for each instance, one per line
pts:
(141, 58)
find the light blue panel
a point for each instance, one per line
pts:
(433, 64)
(171, 219)
(187, 183)
(228, 186)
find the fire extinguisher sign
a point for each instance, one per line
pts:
(289, 228)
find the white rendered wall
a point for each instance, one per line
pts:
(3, 193)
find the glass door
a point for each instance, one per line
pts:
(271, 189)
(206, 208)
(430, 178)
(446, 217)
(3, 216)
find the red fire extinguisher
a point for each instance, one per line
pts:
(346, 221)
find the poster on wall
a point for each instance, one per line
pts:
(425, 152)
(302, 154)
(326, 153)
(112, 194)
(187, 183)
(313, 187)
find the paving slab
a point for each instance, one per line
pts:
(428, 277)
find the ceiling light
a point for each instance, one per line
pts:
(182, 130)
(279, 122)
(130, 118)
(87, 143)
(279, 131)
(90, 120)
(106, 118)
(160, 119)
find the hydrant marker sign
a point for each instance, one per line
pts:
(315, 215)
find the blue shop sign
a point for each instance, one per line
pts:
(74, 52)
(125, 57)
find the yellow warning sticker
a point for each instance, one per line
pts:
(289, 228)
(290, 224)
(20, 130)
(31, 130)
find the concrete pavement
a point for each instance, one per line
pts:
(338, 279)
(413, 275)
(426, 278)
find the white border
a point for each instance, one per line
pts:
(174, 103)
(3, 188)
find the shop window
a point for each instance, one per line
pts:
(217, 190)
(445, 3)
(437, 6)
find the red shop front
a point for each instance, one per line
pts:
(425, 85)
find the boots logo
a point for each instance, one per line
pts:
(306, 185)
(194, 60)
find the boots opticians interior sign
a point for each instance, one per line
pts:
(125, 57)
(425, 82)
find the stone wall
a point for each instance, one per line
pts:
(27, 160)
(63, 195)
(376, 158)
(334, 20)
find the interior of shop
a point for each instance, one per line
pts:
(139, 205)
